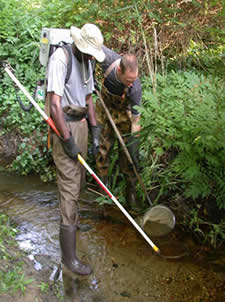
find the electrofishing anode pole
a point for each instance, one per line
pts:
(82, 161)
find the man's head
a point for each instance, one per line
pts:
(128, 69)
(89, 41)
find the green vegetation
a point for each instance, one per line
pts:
(44, 287)
(184, 144)
(184, 125)
(180, 48)
(11, 268)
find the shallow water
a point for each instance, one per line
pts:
(124, 265)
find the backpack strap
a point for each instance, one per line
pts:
(116, 63)
(68, 52)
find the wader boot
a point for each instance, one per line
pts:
(131, 197)
(67, 238)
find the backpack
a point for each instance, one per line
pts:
(52, 39)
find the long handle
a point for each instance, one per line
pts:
(82, 161)
(124, 147)
(155, 248)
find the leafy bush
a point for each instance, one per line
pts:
(213, 233)
(184, 126)
(19, 37)
(207, 60)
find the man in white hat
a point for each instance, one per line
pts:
(70, 102)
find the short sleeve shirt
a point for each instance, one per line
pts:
(79, 85)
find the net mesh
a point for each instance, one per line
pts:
(158, 221)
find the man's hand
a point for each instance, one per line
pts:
(70, 148)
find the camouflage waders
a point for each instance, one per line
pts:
(119, 109)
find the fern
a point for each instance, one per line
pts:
(186, 116)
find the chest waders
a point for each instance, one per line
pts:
(69, 178)
(119, 109)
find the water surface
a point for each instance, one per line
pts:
(124, 265)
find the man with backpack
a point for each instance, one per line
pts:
(70, 102)
(121, 91)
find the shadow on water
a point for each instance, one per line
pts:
(124, 266)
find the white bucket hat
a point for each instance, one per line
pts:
(89, 40)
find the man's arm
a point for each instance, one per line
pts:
(95, 130)
(58, 116)
(135, 126)
(91, 110)
(67, 141)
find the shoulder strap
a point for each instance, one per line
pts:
(110, 68)
(68, 51)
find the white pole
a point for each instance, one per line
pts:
(155, 248)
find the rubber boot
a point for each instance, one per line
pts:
(131, 197)
(67, 239)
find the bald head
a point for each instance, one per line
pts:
(128, 63)
(127, 71)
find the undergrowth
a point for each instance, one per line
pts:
(11, 268)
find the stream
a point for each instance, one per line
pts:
(125, 267)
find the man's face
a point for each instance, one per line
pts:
(87, 57)
(82, 57)
(128, 77)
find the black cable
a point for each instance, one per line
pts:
(23, 107)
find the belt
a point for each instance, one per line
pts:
(74, 118)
